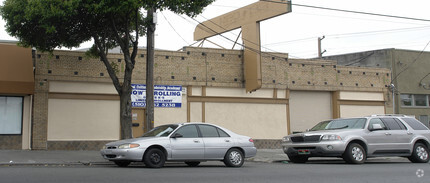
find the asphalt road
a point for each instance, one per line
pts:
(313, 171)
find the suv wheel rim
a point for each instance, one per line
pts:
(422, 153)
(357, 153)
(235, 158)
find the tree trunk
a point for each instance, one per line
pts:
(125, 115)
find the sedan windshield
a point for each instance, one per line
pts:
(161, 131)
(353, 123)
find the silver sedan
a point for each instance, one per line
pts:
(191, 143)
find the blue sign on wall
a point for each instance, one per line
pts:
(164, 95)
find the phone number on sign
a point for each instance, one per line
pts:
(167, 105)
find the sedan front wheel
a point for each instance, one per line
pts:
(154, 158)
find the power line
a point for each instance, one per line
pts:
(350, 11)
(352, 34)
(174, 28)
(251, 49)
(419, 55)
(213, 31)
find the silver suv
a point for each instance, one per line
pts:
(355, 139)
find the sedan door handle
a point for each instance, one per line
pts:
(410, 133)
(227, 140)
(387, 133)
(196, 141)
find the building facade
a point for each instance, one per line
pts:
(410, 78)
(77, 108)
(16, 96)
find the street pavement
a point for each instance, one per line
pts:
(41, 157)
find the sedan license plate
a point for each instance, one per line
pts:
(304, 151)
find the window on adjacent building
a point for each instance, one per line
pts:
(420, 100)
(406, 99)
(10, 115)
(414, 100)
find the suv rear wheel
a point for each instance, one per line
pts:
(354, 154)
(420, 154)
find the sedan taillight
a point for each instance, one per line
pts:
(251, 140)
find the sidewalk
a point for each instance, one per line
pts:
(37, 157)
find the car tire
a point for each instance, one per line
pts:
(354, 154)
(298, 159)
(192, 163)
(234, 158)
(420, 154)
(122, 163)
(154, 158)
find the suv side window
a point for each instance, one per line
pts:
(393, 124)
(376, 121)
(415, 124)
(188, 131)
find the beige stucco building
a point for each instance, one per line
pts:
(16, 96)
(77, 107)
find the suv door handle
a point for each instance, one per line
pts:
(196, 141)
(410, 133)
(226, 140)
(387, 133)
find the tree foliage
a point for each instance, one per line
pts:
(50, 24)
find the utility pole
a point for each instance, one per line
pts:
(319, 47)
(150, 71)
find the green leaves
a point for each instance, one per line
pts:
(47, 24)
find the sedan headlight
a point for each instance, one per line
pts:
(331, 137)
(286, 139)
(128, 146)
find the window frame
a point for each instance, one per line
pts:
(413, 100)
(199, 135)
(22, 117)
(201, 131)
(392, 121)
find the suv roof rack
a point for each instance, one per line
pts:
(397, 115)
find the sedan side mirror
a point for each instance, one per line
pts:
(176, 135)
(375, 127)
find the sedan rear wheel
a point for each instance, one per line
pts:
(234, 158)
(354, 154)
(420, 154)
(154, 158)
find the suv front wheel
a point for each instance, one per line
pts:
(420, 154)
(354, 154)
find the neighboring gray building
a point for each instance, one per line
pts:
(410, 77)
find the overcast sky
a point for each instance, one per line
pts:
(297, 32)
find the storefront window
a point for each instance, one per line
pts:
(420, 100)
(406, 99)
(10, 115)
